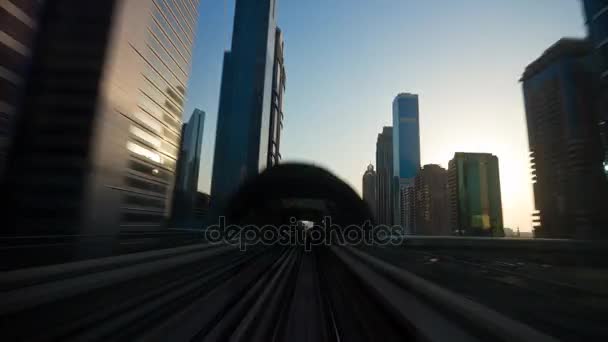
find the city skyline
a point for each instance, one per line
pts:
(353, 86)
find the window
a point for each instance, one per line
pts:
(145, 136)
(144, 152)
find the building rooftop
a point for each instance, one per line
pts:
(405, 95)
(565, 47)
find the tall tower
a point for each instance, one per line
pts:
(406, 152)
(596, 14)
(431, 201)
(243, 128)
(384, 163)
(96, 149)
(474, 195)
(186, 180)
(279, 78)
(570, 188)
(369, 188)
(17, 30)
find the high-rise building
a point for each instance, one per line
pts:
(244, 115)
(18, 23)
(384, 174)
(406, 152)
(276, 111)
(97, 142)
(570, 189)
(474, 195)
(406, 136)
(188, 164)
(369, 188)
(431, 201)
(403, 203)
(596, 13)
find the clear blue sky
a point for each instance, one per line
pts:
(347, 59)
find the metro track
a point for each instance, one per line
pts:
(218, 293)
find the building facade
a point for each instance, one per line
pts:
(474, 195)
(403, 203)
(406, 136)
(97, 147)
(188, 165)
(243, 128)
(596, 14)
(431, 201)
(406, 152)
(18, 24)
(279, 79)
(384, 176)
(570, 188)
(369, 188)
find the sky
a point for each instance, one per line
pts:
(347, 59)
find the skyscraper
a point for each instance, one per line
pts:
(474, 195)
(276, 111)
(596, 13)
(244, 115)
(186, 179)
(431, 201)
(406, 152)
(384, 163)
(369, 188)
(406, 136)
(570, 189)
(18, 23)
(96, 149)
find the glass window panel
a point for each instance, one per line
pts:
(144, 152)
(149, 138)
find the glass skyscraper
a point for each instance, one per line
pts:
(474, 195)
(244, 115)
(276, 112)
(406, 136)
(186, 180)
(596, 13)
(96, 150)
(406, 156)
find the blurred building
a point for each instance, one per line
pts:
(18, 24)
(186, 179)
(596, 13)
(276, 111)
(431, 201)
(475, 205)
(404, 203)
(406, 152)
(369, 188)
(384, 174)
(244, 115)
(570, 188)
(201, 209)
(97, 142)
